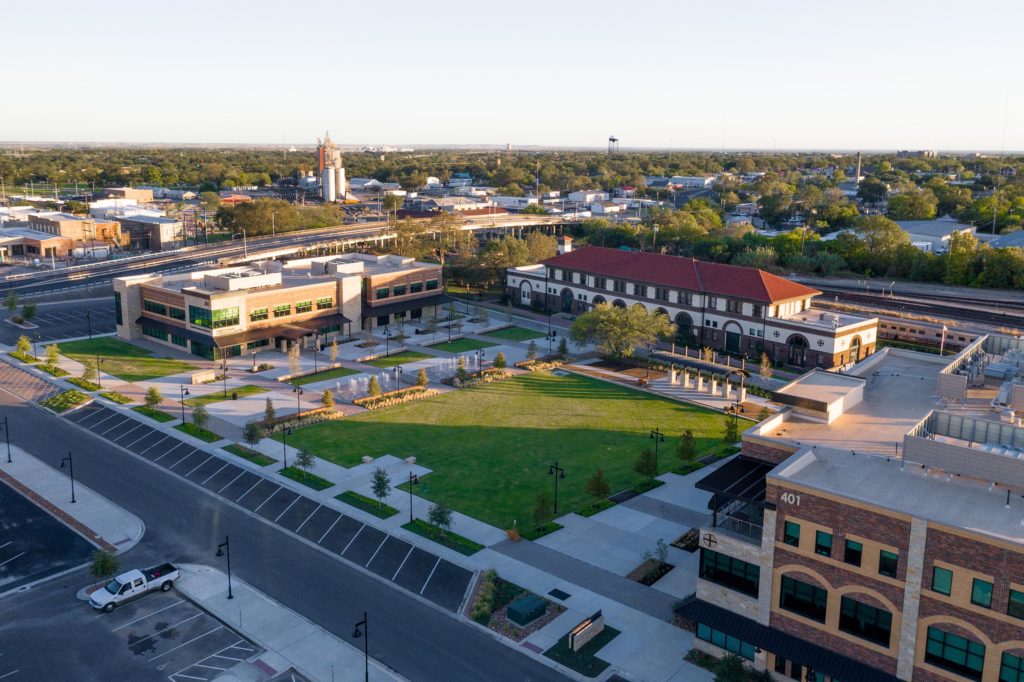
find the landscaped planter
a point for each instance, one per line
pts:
(402, 395)
(650, 572)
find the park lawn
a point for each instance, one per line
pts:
(398, 359)
(490, 447)
(122, 359)
(335, 373)
(218, 396)
(515, 334)
(462, 345)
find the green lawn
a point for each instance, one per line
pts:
(398, 359)
(367, 504)
(447, 538)
(490, 447)
(253, 456)
(65, 401)
(583, 661)
(119, 398)
(462, 345)
(199, 432)
(305, 478)
(515, 334)
(122, 359)
(218, 396)
(335, 373)
(83, 384)
(154, 413)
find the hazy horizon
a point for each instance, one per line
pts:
(794, 76)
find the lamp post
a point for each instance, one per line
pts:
(99, 361)
(88, 318)
(70, 463)
(413, 480)
(480, 353)
(226, 545)
(658, 437)
(398, 374)
(7, 434)
(224, 374)
(736, 403)
(253, 360)
(316, 348)
(356, 634)
(184, 392)
(35, 348)
(387, 340)
(298, 397)
(284, 445)
(558, 472)
(550, 337)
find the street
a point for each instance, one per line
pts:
(184, 524)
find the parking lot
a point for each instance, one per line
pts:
(25, 385)
(33, 544)
(416, 570)
(65, 320)
(176, 639)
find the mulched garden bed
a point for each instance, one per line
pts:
(688, 541)
(643, 574)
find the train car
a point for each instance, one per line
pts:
(926, 334)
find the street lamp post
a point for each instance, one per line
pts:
(658, 437)
(253, 360)
(71, 469)
(99, 379)
(35, 347)
(398, 374)
(316, 349)
(387, 340)
(558, 472)
(226, 545)
(7, 434)
(284, 445)
(224, 374)
(184, 392)
(356, 634)
(88, 318)
(298, 397)
(413, 480)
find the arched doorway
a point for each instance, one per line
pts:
(618, 303)
(855, 349)
(525, 293)
(598, 300)
(684, 329)
(567, 299)
(797, 346)
(733, 337)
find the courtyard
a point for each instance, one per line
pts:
(489, 448)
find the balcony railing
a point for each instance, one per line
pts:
(742, 528)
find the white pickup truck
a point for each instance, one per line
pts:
(132, 585)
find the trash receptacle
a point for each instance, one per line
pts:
(234, 395)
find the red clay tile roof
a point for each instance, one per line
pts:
(690, 274)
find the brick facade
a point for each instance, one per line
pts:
(773, 454)
(834, 642)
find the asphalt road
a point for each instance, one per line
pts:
(64, 320)
(184, 524)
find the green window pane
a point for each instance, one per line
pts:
(981, 593)
(888, 563)
(792, 534)
(823, 543)
(1016, 604)
(942, 580)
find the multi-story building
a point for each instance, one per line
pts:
(874, 529)
(226, 312)
(153, 233)
(726, 307)
(79, 229)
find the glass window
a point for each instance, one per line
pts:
(431, 284)
(806, 600)
(399, 290)
(954, 653)
(823, 543)
(324, 303)
(282, 310)
(382, 320)
(724, 641)
(416, 313)
(415, 287)
(888, 563)
(383, 292)
(729, 572)
(853, 553)
(1011, 669)
(866, 622)
(981, 593)
(176, 313)
(155, 332)
(1016, 605)
(117, 308)
(154, 307)
(303, 307)
(225, 317)
(179, 340)
(792, 534)
(942, 580)
(259, 314)
(200, 317)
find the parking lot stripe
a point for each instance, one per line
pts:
(214, 474)
(199, 465)
(287, 508)
(377, 551)
(243, 494)
(308, 518)
(154, 445)
(149, 432)
(180, 601)
(191, 677)
(219, 627)
(11, 559)
(4, 545)
(13, 672)
(212, 667)
(171, 627)
(230, 658)
(131, 430)
(353, 538)
(329, 529)
(279, 489)
(240, 474)
(120, 423)
(431, 575)
(402, 564)
(109, 416)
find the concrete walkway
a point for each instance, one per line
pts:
(291, 641)
(91, 515)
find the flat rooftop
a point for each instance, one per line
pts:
(901, 389)
(826, 387)
(907, 488)
(826, 319)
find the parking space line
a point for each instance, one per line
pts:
(13, 672)
(180, 444)
(402, 564)
(230, 658)
(431, 574)
(198, 465)
(109, 416)
(242, 473)
(308, 518)
(378, 550)
(243, 494)
(219, 627)
(279, 489)
(353, 538)
(191, 677)
(287, 508)
(142, 437)
(11, 559)
(212, 667)
(329, 529)
(5, 544)
(131, 430)
(154, 445)
(120, 423)
(170, 627)
(194, 451)
(214, 474)
(180, 601)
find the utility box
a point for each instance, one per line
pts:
(526, 609)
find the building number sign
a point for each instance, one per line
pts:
(790, 498)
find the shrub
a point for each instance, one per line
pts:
(597, 485)
(421, 377)
(687, 448)
(252, 434)
(373, 388)
(402, 395)
(104, 564)
(499, 361)
(24, 345)
(52, 355)
(200, 417)
(328, 399)
(269, 414)
(153, 397)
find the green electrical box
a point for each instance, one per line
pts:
(526, 609)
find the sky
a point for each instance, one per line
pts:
(873, 75)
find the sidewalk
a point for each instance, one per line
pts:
(92, 515)
(291, 641)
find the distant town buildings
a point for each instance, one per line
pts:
(934, 235)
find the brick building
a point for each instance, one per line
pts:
(881, 541)
(730, 308)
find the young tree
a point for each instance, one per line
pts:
(499, 361)
(333, 352)
(460, 371)
(200, 417)
(687, 449)
(28, 311)
(24, 345)
(11, 302)
(708, 354)
(531, 351)
(483, 315)
(328, 399)
(563, 348)
(52, 355)
(766, 369)
(153, 397)
(421, 377)
(269, 414)
(620, 330)
(373, 388)
(542, 509)
(432, 325)
(104, 564)
(440, 515)
(730, 669)
(294, 360)
(731, 432)
(305, 461)
(763, 414)
(89, 371)
(252, 434)
(597, 485)
(381, 485)
(645, 464)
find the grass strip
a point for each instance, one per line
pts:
(83, 384)
(335, 373)
(305, 478)
(154, 413)
(368, 505)
(199, 432)
(65, 401)
(218, 396)
(253, 456)
(115, 397)
(447, 538)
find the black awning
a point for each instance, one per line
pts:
(742, 478)
(780, 643)
(403, 306)
(168, 328)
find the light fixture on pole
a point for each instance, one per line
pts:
(658, 437)
(184, 392)
(558, 472)
(71, 469)
(226, 545)
(356, 634)
(298, 397)
(7, 434)
(284, 445)
(413, 480)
